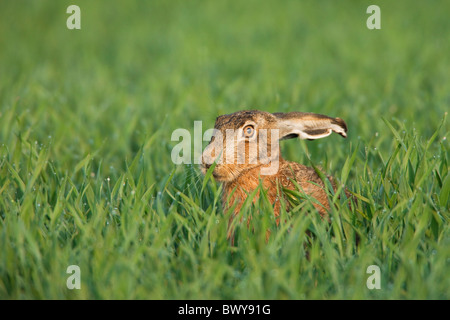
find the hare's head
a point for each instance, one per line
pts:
(248, 139)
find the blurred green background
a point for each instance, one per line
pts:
(136, 65)
(102, 101)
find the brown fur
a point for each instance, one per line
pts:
(236, 191)
(240, 179)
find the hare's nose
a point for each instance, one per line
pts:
(207, 165)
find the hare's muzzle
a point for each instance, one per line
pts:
(208, 157)
(206, 165)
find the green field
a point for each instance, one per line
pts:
(86, 176)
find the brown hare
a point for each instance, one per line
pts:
(245, 148)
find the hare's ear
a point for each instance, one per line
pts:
(309, 126)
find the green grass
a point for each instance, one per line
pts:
(86, 176)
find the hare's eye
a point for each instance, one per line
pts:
(249, 131)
